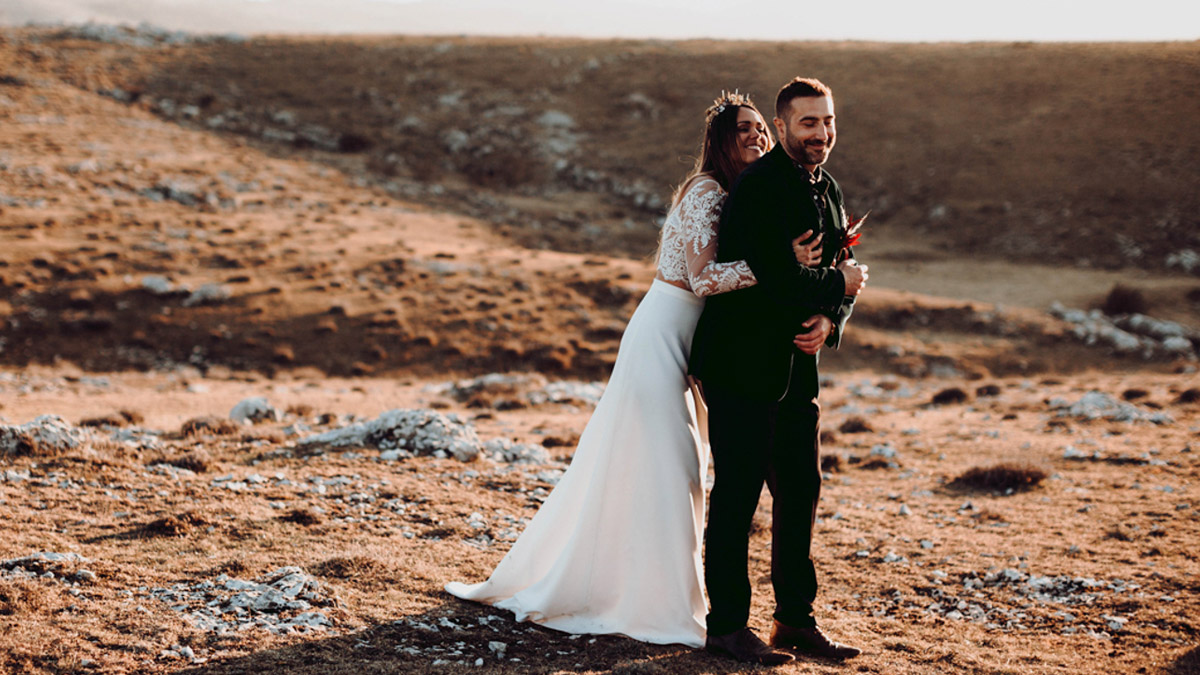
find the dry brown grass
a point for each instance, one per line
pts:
(197, 461)
(178, 525)
(380, 577)
(1121, 532)
(1002, 477)
(1125, 300)
(300, 410)
(855, 425)
(950, 396)
(21, 597)
(302, 517)
(120, 418)
(310, 239)
(987, 390)
(876, 463)
(259, 435)
(831, 463)
(360, 571)
(209, 425)
(1189, 395)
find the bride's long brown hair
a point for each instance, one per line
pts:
(720, 157)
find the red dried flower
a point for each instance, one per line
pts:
(850, 237)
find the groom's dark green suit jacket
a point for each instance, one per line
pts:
(743, 341)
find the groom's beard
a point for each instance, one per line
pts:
(809, 153)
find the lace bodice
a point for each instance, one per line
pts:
(688, 252)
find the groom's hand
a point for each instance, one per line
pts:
(818, 327)
(855, 275)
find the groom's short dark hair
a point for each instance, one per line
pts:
(800, 87)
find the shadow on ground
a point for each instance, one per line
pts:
(1188, 664)
(451, 638)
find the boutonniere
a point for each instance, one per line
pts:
(850, 236)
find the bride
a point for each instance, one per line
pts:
(615, 548)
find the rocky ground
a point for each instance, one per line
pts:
(999, 526)
(260, 397)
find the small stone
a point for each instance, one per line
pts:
(884, 450)
(253, 410)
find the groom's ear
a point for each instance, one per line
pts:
(780, 127)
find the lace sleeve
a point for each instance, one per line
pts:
(699, 211)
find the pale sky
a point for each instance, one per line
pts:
(896, 20)
(884, 20)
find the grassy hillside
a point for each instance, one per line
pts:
(376, 205)
(1084, 154)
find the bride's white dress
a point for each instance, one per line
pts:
(615, 548)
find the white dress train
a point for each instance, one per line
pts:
(615, 548)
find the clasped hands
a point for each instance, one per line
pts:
(855, 275)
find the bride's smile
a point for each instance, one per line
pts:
(752, 136)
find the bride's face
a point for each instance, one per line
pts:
(752, 138)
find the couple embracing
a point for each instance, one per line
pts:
(753, 279)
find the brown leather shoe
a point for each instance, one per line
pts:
(810, 641)
(744, 645)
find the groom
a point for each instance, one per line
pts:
(755, 351)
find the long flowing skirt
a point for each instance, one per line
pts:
(615, 548)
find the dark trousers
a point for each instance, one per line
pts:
(755, 442)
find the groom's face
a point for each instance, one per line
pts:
(807, 131)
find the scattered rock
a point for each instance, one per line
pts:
(1187, 260)
(503, 392)
(49, 565)
(409, 432)
(503, 450)
(1131, 333)
(159, 285)
(280, 602)
(142, 35)
(208, 294)
(1098, 405)
(45, 435)
(253, 411)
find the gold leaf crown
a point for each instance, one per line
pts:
(725, 100)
